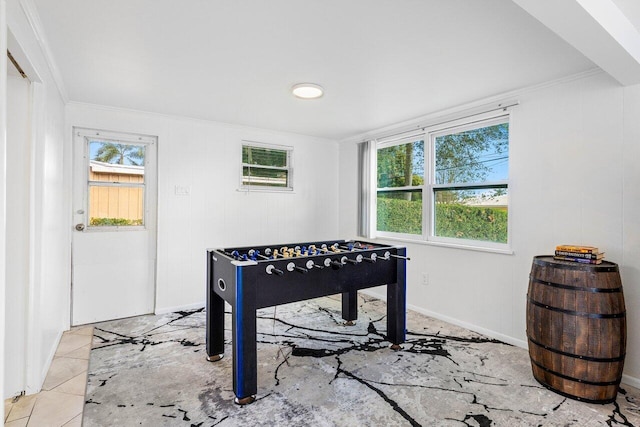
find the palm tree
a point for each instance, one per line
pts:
(110, 152)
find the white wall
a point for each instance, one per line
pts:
(51, 228)
(574, 178)
(630, 261)
(206, 157)
(3, 175)
(49, 222)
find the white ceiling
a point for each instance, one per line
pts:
(234, 61)
(631, 8)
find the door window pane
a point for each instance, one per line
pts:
(115, 206)
(116, 184)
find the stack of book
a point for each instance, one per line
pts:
(577, 253)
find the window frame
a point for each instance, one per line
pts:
(430, 187)
(395, 142)
(288, 168)
(89, 183)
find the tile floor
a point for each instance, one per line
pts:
(61, 400)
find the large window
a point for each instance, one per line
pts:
(452, 190)
(266, 167)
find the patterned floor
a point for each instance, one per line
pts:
(151, 371)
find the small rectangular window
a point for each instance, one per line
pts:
(116, 183)
(266, 167)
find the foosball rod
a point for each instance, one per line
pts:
(401, 257)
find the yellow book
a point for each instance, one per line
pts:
(578, 248)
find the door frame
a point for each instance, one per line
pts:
(150, 213)
(35, 364)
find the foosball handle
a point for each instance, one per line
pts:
(293, 267)
(336, 264)
(345, 260)
(271, 270)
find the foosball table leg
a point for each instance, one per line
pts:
(397, 304)
(350, 307)
(244, 341)
(215, 327)
(245, 400)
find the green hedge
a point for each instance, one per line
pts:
(453, 220)
(400, 216)
(98, 222)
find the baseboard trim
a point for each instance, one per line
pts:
(632, 381)
(45, 367)
(194, 306)
(475, 328)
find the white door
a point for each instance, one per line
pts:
(114, 214)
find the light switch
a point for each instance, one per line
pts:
(182, 190)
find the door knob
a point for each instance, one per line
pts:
(80, 227)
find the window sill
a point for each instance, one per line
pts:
(448, 245)
(265, 190)
(114, 228)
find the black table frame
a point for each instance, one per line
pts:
(246, 286)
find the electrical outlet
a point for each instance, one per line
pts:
(425, 279)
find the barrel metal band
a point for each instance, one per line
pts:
(577, 288)
(578, 380)
(573, 396)
(579, 313)
(578, 356)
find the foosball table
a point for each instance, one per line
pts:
(249, 278)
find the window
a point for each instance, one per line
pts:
(400, 187)
(470, 182)
(116, 183)
(266, 167)
(455, 191)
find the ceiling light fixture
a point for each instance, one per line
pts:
(307, 90)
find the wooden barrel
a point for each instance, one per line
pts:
(576, 328)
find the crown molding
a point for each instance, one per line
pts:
(468, 108)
